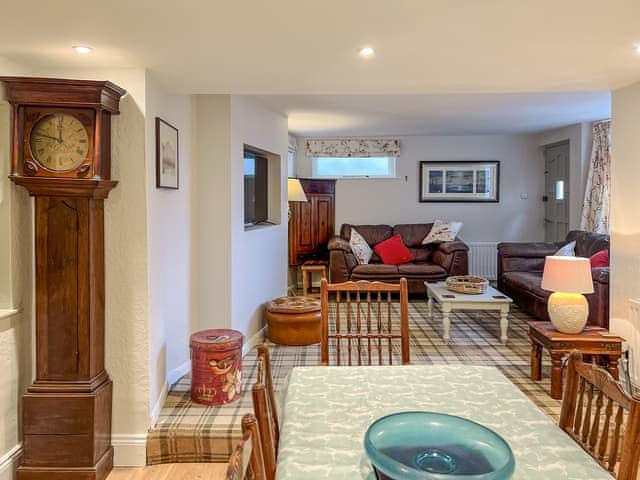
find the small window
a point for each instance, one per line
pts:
(353, 167)
(560, 190)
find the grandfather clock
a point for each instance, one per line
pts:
(61, 152)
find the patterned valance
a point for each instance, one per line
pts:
(353, 147)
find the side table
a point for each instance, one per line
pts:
(308, 268)
(592, 341)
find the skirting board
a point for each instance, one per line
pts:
(177, 373)
(129, 450)
(9, 463)
(255, 340)
(155, 413)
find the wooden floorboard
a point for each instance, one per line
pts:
(172, 471)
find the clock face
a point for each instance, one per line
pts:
(59, 142)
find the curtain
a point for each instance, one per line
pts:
(595, 208)
(353, 147)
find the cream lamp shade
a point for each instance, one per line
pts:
(295, 193)
(567, 274)
(568, 278)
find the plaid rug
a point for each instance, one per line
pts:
(189, 432)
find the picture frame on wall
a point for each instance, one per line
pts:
(460, 181)
(167, 158)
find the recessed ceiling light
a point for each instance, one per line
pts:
(637, 49)
(82, 49)
(366, 52)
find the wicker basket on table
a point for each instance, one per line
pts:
(471, 284)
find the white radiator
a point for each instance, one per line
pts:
(483, 259)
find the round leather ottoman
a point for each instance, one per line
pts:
(293, 320)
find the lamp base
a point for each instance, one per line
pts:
(568, 312)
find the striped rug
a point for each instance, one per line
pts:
(188, 432)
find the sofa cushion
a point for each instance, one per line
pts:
(588, 243)
(600, 259)
(442, 231)
(526, 281)
(421, 254)
(413, 233)
(393, 251)
(373, 234)
(568, 250)
(360, 247)
(377, 270)
(426, 270)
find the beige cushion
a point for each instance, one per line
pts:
(360, 247)
(442, 231)
(569, 250)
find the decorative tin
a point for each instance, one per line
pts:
(216, 366)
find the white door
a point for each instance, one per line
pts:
(556, 197)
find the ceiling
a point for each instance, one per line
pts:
(303, 47)
(452, 114)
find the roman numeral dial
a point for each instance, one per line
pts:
(59, 142)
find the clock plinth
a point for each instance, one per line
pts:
(61, 132)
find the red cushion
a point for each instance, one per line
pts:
(600, 259)
(393, 252)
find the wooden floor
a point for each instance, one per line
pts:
(172, 471)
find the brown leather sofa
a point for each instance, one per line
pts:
(520, 268)
(433, 262)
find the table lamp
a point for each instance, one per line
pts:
(568, 278)
(295, 193)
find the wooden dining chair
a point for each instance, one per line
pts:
(598, 414)
(370, 318)
(246, 461)
(264, 407)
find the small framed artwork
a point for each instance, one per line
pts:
(463, 181)
(167, 161)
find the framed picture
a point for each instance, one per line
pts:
(464, 181)
(166, 155)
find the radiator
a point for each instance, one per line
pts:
(483, 259)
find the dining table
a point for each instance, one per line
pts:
(325, 412)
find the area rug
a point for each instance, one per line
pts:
(188, 432)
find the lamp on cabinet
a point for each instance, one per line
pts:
(295, 193)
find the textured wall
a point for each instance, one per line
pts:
(625, 221)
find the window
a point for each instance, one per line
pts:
(353, 167)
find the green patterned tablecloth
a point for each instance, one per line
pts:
(327, 410)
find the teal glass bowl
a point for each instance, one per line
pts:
(435, 446)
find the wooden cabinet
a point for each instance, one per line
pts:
(312, 223)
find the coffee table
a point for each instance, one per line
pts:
(450, 301)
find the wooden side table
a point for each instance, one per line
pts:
(308, 269)
(591, 342)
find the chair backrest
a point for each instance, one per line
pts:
(246, 462)
(598, 414)
(370, 317)
(264, 406)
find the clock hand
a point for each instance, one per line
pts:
(47, 136)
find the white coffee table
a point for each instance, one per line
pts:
(449, 301)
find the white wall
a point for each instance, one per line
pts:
(625, 221)
(370, 201)
(579, 136)
(213, 147)
(238, 269)
(170, 254)
(259, 255)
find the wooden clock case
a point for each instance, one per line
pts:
(66, 412)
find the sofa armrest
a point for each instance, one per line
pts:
(339, 243)
(453, 257)
(528, 249)
(341, 262)
(450, 247)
